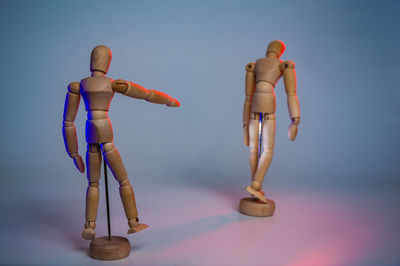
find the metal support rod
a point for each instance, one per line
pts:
(260, 135)
(107, 201)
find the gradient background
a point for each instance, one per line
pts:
(336, 187)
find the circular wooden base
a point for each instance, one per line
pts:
(254, 207)
(103, 249)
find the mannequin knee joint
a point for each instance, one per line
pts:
(106, 147)
(124, 182)
(253, 147)
(269, 152)
(93, 183)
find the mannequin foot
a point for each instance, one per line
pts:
(88, 233)
(257, 193)
(135, 226)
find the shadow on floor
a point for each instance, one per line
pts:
(54, 221)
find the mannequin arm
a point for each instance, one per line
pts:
(69, 130)
(136, 91)
(289, 78)
(250, 85)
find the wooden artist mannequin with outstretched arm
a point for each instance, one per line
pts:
(97, 92)
(260, 106)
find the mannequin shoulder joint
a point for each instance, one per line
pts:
(250, 67)
(73, 87)
(287, 64)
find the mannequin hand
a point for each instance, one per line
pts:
(79, 163)
(174, 103)
(246, 135)
(292, 132)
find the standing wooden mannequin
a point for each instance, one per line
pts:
(97, 92)
(259, 107)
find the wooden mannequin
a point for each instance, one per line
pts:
(97, 92)
(260, 106)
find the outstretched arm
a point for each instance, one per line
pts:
(289, 78)
(69, 130)
(250, 85)
(136, 91)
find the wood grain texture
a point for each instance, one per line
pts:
(254, 207)
(104, 249)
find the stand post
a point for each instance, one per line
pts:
(107, 201)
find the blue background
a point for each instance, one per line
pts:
(347, 63)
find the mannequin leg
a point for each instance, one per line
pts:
(268, 140)
(268, 137)
(253, 139)
(114, 161)
(93, 163)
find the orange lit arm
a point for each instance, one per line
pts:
(136, 91)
